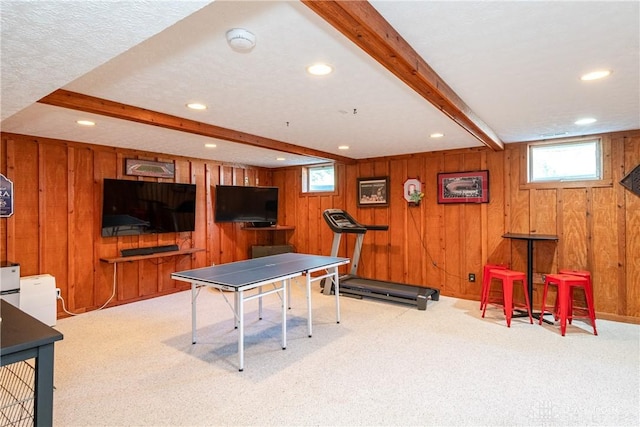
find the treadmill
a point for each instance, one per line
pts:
(353, 285)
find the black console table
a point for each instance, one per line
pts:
(24, 338)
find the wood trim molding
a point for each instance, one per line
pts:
(90, 104)
(363, 25)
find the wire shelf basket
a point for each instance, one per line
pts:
(17, 385)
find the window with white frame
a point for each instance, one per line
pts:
(318, 178)
(577, 160)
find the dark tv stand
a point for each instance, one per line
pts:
(278, 246)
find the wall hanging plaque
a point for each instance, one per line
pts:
(413, 191)
(149, 168)
(632, 181)
(6, 197)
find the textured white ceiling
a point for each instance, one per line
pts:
(515, 64)
(47, 44)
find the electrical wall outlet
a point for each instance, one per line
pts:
(58, 296)
(472, 277)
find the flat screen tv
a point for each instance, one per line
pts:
(143, 207)
(256, 205)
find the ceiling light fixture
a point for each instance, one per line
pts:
(240, 39)
(319, 69)
(280, 159)
(210, 145)
(343, 147)
(436, 135)
(585, 121)
(85, 123)
(196, 106)
(595, 75)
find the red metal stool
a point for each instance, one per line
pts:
(588, 295)
(486, 282)
(563, 309)
(508, 277)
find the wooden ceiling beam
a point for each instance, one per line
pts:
(363, 25)
(90, 104)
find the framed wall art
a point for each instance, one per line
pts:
(373, 191)
(463, 187)
(632, 181)
(149, 168)
(6, 197)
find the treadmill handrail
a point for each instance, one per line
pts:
(377, 227)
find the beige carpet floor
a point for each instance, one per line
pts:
(384, 364)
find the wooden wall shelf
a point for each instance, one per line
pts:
(149, 256)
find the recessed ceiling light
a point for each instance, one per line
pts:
(585, 121)
(210, 145)
(86, 123)
(319, 69)
(343, 147)
(436, 135)
(196, 106)
(280, 159)
(595, 75)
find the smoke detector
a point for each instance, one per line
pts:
(241, 39)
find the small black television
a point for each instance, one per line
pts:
(256, 205)
(144, 207)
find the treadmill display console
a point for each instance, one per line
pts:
(342, 222)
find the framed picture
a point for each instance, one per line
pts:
(373, 191)
(463, 187)
(632, 181)
(6, 197)
(149, 168)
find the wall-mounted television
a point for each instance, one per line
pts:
(143, 207)
(256, 205)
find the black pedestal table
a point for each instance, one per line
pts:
(530, 238)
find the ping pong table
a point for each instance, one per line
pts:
(247, 278)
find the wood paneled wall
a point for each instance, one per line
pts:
(56, 225)
(438, 245)
(55, 228)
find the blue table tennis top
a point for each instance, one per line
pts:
(242, 273)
